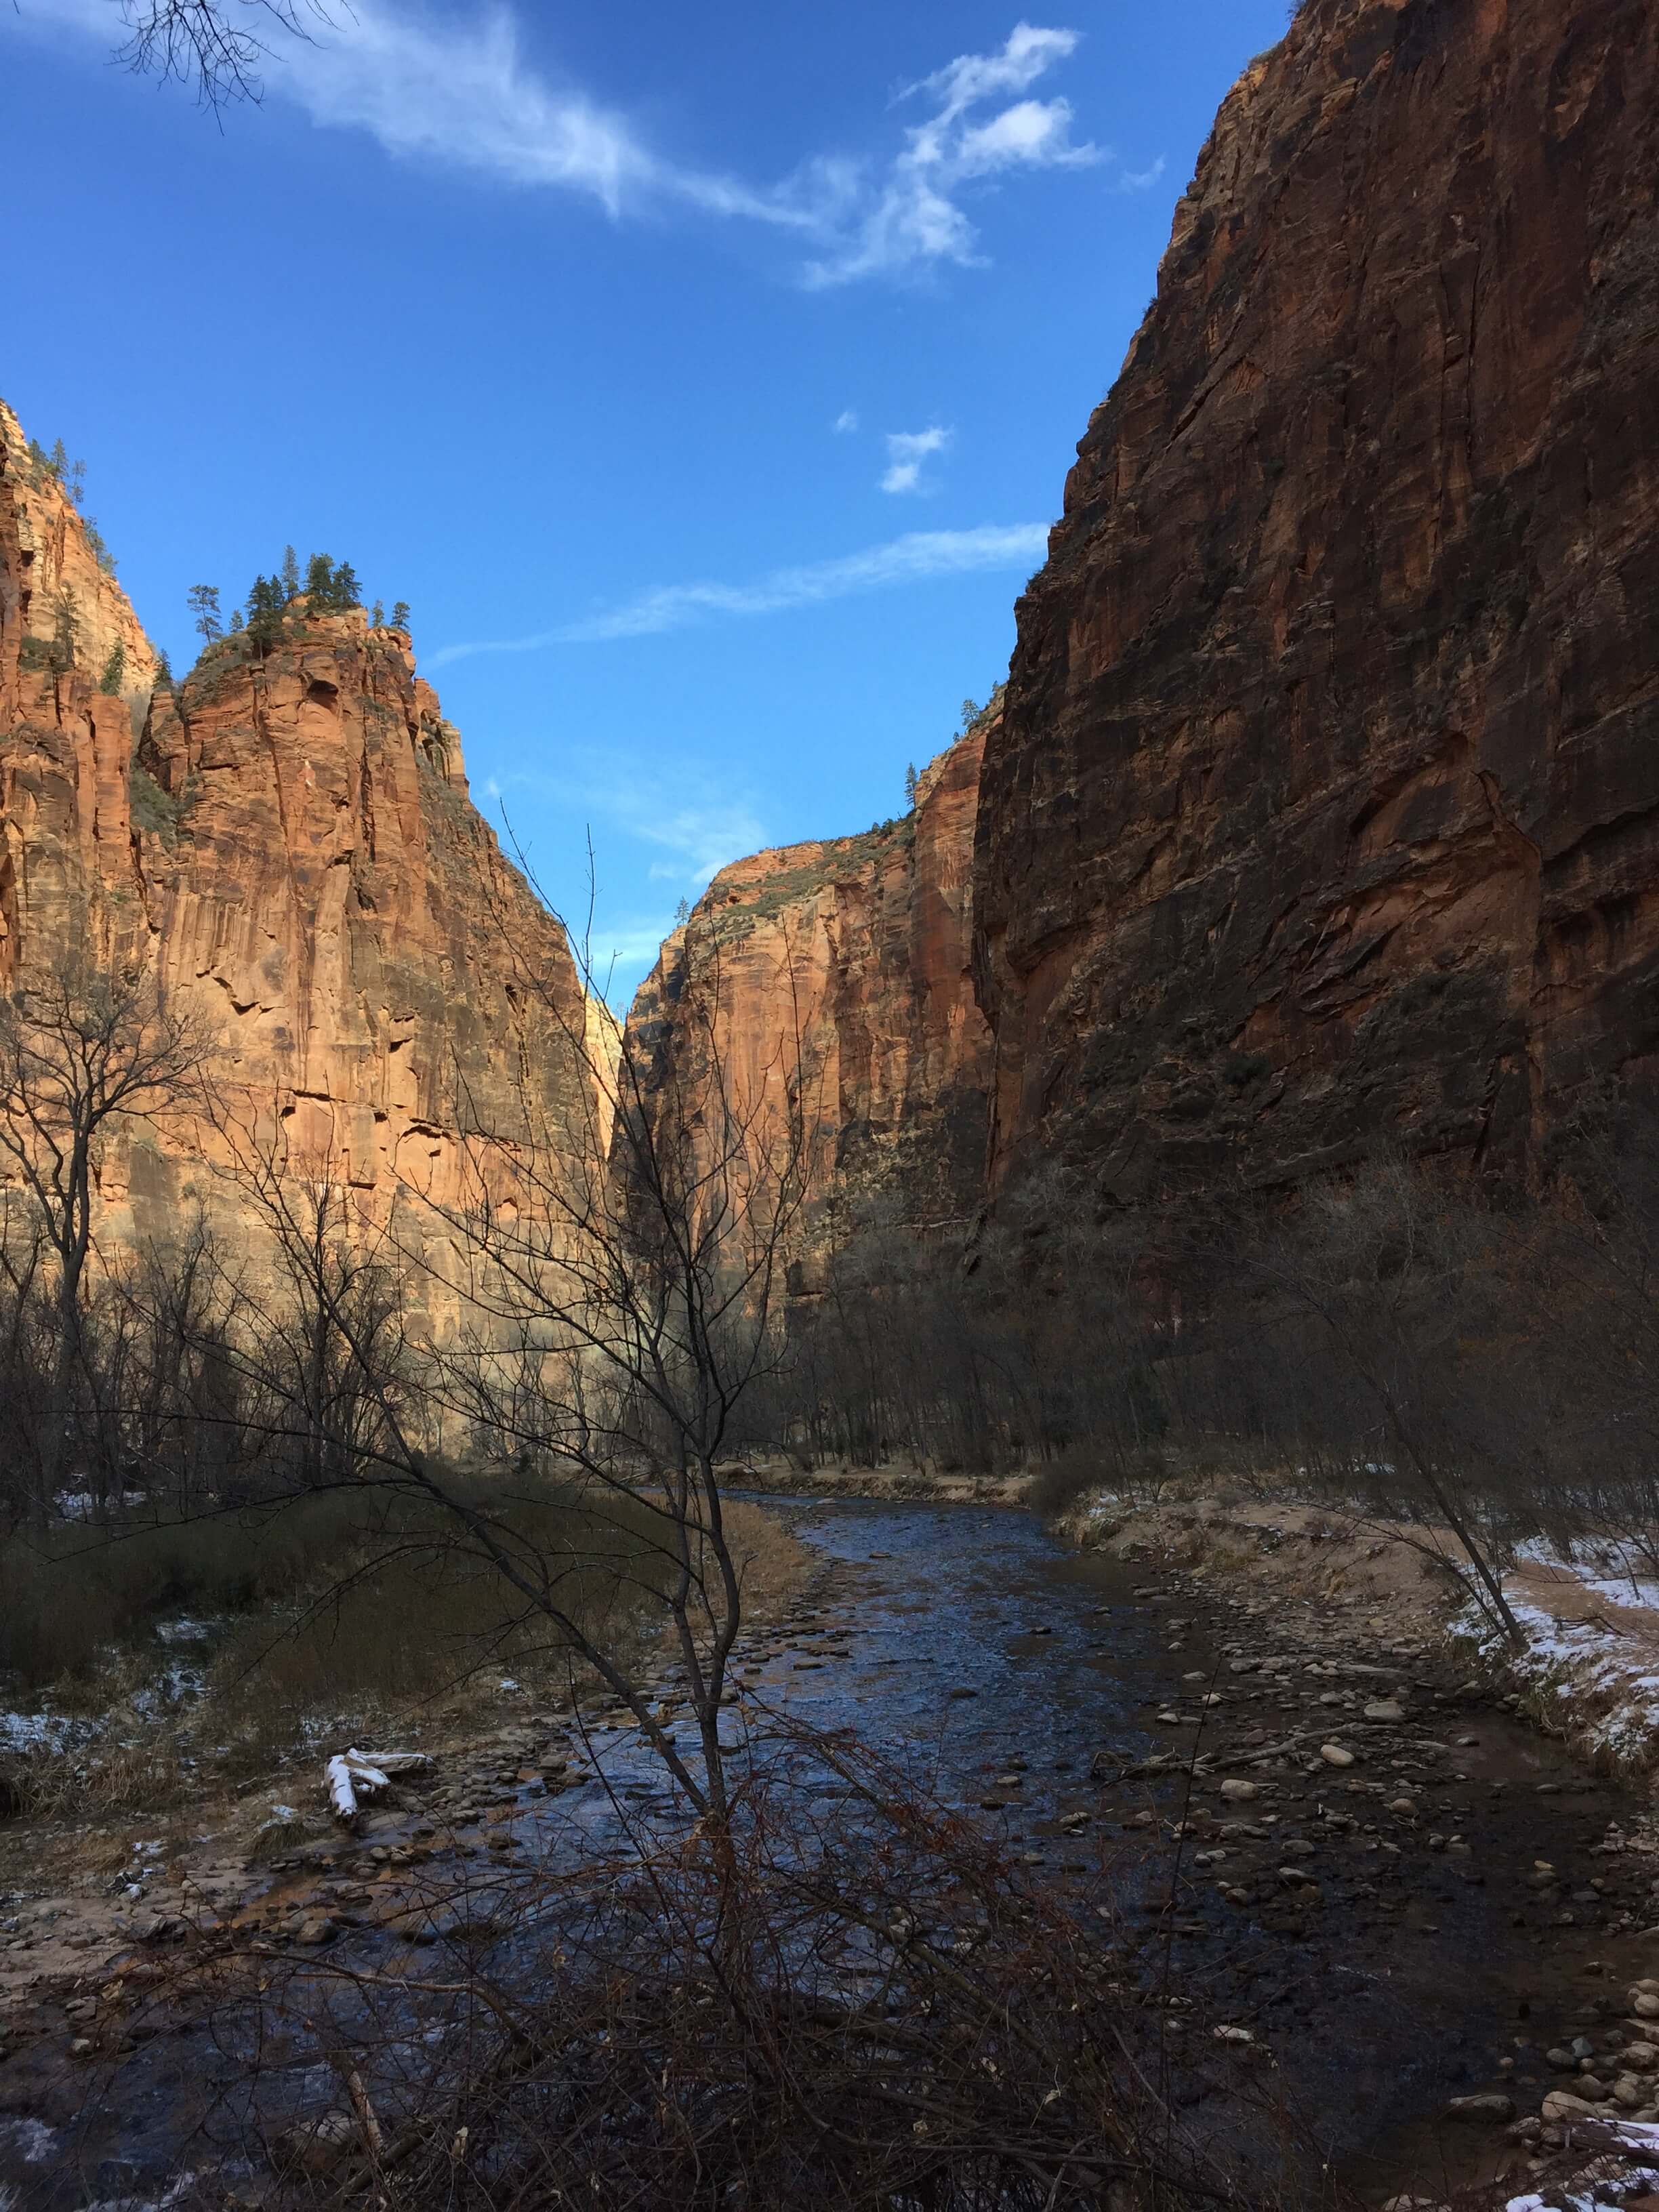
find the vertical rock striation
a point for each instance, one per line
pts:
(1325, 804)
(292, 846)
(844, 963)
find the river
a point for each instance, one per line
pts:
(1000, 1663)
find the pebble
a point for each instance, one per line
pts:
(1333, 1755)
(1239, 1791)
(1385, 1710)
(1406, 1806)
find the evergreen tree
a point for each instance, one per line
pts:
(319, 579)
(377, 620)
(682, 911)
(65, 649)
(290, 577)
(971, 712)
(266, 600)
(115, 669)
(346, 591)
(58, 459)
(400, 615)
(77, 481)
(163, 672)
(235, 620)
(910, 780)
(204, 605)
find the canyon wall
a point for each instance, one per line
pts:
(842, 966)
(1325, 803)
(291, 849)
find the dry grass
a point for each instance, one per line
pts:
(402, 1633)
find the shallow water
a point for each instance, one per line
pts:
(1377, 2021)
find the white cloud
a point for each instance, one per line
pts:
(454, 87)
(1134, 180)
(914, 558)
(845, 422)
(905, 452)
(913, 216)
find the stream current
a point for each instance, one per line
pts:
(998, 1663)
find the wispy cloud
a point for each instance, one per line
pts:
(905, 452)
(913, 215)
(914, 558)
(1141, 180)
(456, 89)
(845, 423)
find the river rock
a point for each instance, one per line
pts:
(1384, 1709)
(1488, 2105)
(1239, 1791)
(1644, 2004)
(1406, 1806)
(1629, 2092)
(1558, 2105)
(1333, 1755)
(1641, 2057)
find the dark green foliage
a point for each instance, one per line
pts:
(290, 573)
(59, 460)
(101, 553)
(377, 620)
(911, 782)
(682, 911)
(115, 669)
(400, 615)
(330, 588)
(155, 810)
(235, 620)
(57, 655)
(266, 599)
(163, 672)
(204, 599)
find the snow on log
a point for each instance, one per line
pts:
(350, 1775)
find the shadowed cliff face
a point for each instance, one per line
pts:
(1326, 800)
(844, 963)
(292, 849)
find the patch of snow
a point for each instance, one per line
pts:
(34, 2138)
(81, 1505)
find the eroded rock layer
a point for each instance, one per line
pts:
(1325, 804)
(841, 965)
(291, 847)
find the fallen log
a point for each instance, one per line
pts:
(352, 1775)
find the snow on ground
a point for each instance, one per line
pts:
(1592, 1628)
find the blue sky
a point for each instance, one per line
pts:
(704, 378)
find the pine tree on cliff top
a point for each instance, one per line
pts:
(400, 615)
(291, 575)
(204, 605)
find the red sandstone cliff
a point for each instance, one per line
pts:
(1326, 799)
(845, 961)
(292, 846)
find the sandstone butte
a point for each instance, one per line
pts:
(842, 966)
(1325, 803)
(289, 842)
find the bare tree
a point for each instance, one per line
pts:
(218, 46)
(84, 1052)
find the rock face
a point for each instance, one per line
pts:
(292, 846)
(1325, 804)
(845, 961)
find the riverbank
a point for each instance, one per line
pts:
(1589, 1671)
(900, 1481)
(1371, 1935)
